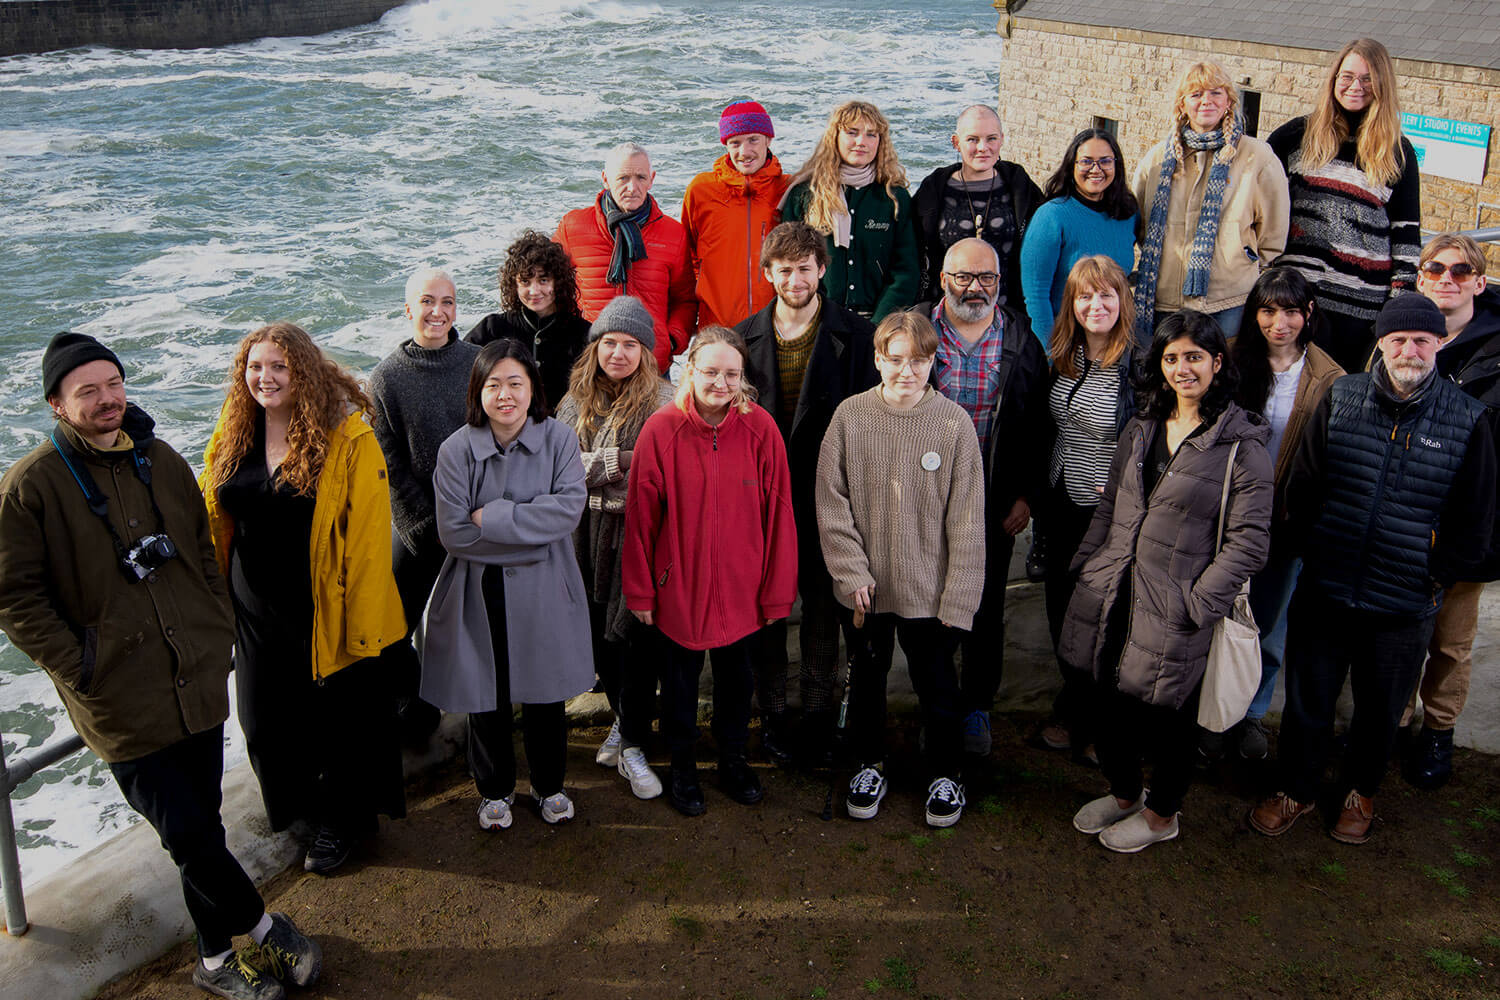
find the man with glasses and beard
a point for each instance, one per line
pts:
(987, 364)
(1391, 499)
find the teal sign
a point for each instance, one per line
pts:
(1447, 147)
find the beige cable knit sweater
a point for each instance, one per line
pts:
(900, 500)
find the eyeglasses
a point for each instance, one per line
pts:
(712, 375)
(1087, 163)
(963, 279)
(917, 365)
(1348, 79)
(1434, 269)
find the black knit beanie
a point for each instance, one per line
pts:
(66, 352)
(1411, 312)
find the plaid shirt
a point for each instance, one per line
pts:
(970, 376)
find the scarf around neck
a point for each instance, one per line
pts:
(843, 222)
(630, 245)
(1222, 142)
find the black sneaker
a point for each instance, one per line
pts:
(739, 781)
(237, 979)
(290, 955)
(685, 792)
(329, 850)
(945, 802)
(866, 790)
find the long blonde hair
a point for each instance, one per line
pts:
(322, 395)
(744, 397)
(1068, 334)
(625, 403)
(821, 170)
(1378, 142)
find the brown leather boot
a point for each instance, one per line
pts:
(1275, 815)
(1353, 826)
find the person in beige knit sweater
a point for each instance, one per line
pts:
(900, 502)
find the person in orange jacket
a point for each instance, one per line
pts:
(624, 244)
(728, 211)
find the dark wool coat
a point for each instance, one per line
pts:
(1157, 552)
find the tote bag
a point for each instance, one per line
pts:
(1233, 673)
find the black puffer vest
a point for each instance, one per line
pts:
(1390, 465)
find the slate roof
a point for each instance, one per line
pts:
(1460, 32)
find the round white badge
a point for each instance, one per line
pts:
(931, 461)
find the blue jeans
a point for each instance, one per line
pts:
(1270, 596)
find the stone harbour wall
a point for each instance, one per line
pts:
(1056, 78)
(49, 25)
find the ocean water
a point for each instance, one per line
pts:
(169, 202)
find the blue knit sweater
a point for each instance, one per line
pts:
(1061, 231)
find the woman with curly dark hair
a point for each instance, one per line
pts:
(1157, 570)
(539, 296)
(300, 509)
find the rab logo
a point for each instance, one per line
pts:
(1429, 442)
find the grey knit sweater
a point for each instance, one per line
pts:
(900, 498)
(420, 396)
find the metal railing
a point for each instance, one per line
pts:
(1489, 234)
(13, 774)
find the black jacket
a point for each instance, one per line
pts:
(555, 341)
(1015, 464)
(1472, 359)
(842, 364)
(927, 212)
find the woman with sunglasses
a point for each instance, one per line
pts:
(1089, 210)
(1218, 207)
(1356, 198)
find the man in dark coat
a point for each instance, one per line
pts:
(1451, 274)
(1391, 500)
(113, 590)
(807, 355)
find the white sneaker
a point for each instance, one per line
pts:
(556, 808)
(495, 812)
(608, 754)
(1102, 813)
(633, 768)
(1134, 833)
(865, 793)
(945, 802)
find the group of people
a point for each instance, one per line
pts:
(878, 393)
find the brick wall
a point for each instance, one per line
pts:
(1055, 77)
(47, 25)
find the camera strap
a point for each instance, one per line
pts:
(95, 498)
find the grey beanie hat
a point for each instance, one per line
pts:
(1411, 312)
(625, 314)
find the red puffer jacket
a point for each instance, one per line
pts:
(727, 216)
(710, 545)
(662, 280)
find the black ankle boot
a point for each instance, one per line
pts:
(1432, 764)
(685, 792)
(738, 779)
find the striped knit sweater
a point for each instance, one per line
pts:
(900, 500)
(1356, 241)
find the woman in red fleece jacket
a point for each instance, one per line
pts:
(710, 553)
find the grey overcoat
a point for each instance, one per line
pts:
(533, 495)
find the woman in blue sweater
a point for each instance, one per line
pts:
(1089, 210)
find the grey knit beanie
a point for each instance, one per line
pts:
(625, 314)
(1411, 312)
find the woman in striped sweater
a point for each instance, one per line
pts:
(1356, 198)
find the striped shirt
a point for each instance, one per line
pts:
(969, 374)
(1084, 410)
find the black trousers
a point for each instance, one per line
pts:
(818, 643)
(1065, 524)
(929, 646)
(415, 574)
(1132, 733)
(1381, 654)
(983, 647)
(178, 789)
(1349, 341)
(544, 727)
(734, 684)
(627, 670)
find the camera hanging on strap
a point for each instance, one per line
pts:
(147, 553)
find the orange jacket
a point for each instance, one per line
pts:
(727, 216)
(662, 280)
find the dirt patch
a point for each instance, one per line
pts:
(631, 900)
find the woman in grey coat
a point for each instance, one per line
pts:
(508, 621)
(1151, 585)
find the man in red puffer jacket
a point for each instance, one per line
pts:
(624, 245)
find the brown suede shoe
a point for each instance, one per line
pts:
(1275, 815)
(1353, 826)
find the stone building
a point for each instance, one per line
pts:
(1069, 64)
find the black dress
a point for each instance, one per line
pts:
(325, 752)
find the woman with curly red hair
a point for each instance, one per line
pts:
(300, 508)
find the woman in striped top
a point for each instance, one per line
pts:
(1090, 401)
(1356, 198)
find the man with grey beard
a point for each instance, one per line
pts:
(989, 366)
(1390, 500)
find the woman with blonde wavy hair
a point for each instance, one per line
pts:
(1356, 198)
(710, 553)
(300, 509)
(853, 191)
